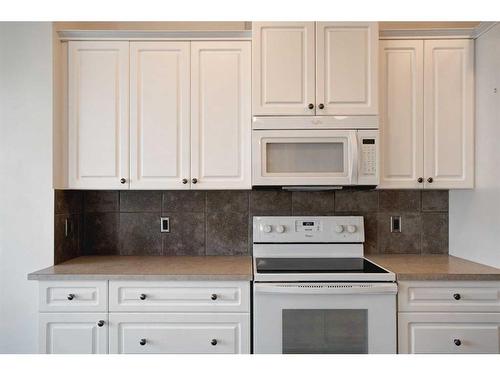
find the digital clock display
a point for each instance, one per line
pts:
(308, 223)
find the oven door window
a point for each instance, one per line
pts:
(325, 331)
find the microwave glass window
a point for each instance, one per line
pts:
(325, 331)
(305, 157)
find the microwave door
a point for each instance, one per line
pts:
(304, 157)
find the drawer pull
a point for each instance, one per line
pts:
(457, 342)
(142, 297)
(457, 296)
(213, 342)
(100, 323)
(142, 342)
(213, 297)
(71, 296)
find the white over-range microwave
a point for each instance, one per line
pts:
(315, 150)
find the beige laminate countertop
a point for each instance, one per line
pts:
(149, 268)
(435, 267)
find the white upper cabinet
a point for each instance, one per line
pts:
(427, 114)
(449, 114)
(346, 68)
(315, 68)
(159, 115)
(401, 117)
(98, 126)
(220, 115)
(283, 68)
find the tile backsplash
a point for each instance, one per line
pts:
(220, 222)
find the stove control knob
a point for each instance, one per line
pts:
(280, 228)
(266, 228)
(339, 228)
(351, 228)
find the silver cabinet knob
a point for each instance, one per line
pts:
(213, 297)
(321, 106)
(310, 106)
(71, 296)
(194, 180)
(457, 342)
(213, 342)
(184, 181)
(100, 323)
(142, 342)
(142, 297)
(420, 180)
(430, 180)
(122, 180)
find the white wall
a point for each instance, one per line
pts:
(26, 196)
(475, 214)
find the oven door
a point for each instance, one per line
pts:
(325, 318)
(304, 157)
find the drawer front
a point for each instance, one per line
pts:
(447, 333)
(449, 296)
(156, 333)
(174, 296)
(73, 296)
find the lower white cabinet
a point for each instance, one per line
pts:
(445, 317)
(157, 333)
(73, 333)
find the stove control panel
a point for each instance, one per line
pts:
(313, 229)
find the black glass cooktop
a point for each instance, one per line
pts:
(316, 265)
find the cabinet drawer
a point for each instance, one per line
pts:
(66, 296)
(172, 296)
(155, 333)
(471, 296)
(444, 333)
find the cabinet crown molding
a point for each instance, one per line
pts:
(66, 35)
(437, 33)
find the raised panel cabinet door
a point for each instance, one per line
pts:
(73, 333)
(221, 115)
(98, 118)
(346, 68)
(159, 115)
(283, 68)
(449, 114)
(401, 114)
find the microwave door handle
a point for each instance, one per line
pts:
(353, 172)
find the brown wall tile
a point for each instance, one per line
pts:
(100, 233)
(183, 201)
(435, 200)
(101, 201)
(406, 242)
(435, 233)
(227, 233)
(312, 203)
(356, 201)
(139, 234)
(68, 201)
(227, 201)
(270, 202)
(399, 200)
(140, 201)
(67, 247)
(187, 234)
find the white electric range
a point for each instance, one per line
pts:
(314, 292)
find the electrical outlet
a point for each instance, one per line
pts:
(396, 224)
(165, 225)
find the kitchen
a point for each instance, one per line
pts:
(293, 187)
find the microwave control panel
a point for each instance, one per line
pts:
(369, 156)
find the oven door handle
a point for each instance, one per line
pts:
(353, 143)
(326, 288)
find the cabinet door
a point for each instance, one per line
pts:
(221, 115)
(283, 68)
(98, 127)
(159, 115)
(401, 113)
(449, 114)
(346, 68)
(73, 333)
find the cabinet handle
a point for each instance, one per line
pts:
(100, 323)
(420, 180)
(429, 180)
(142, 297)
(321, 106)
(457, 342)
(213, 342)
(71, 296)
(122, 180)
(310, 106)
(213, 297)
(142, 342)
(457, 296)
(184, 181)
(194, 180)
